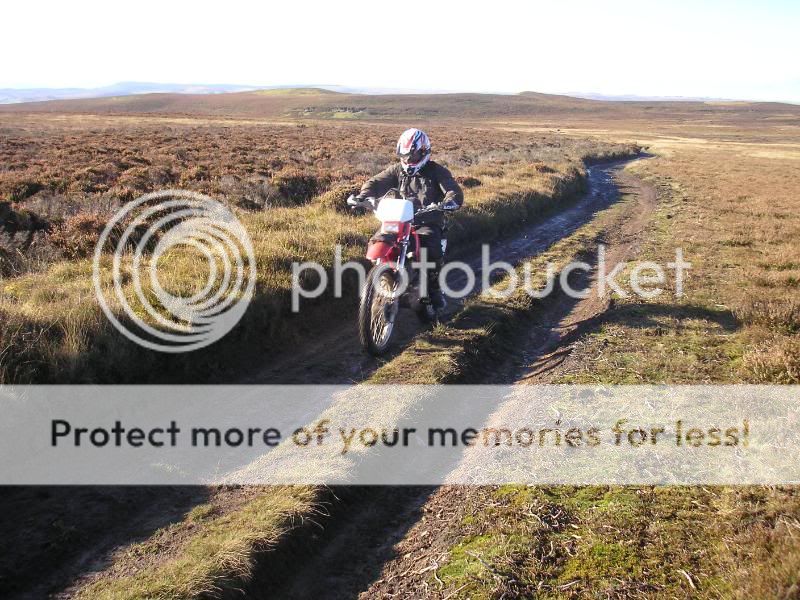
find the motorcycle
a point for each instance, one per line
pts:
(389, 282)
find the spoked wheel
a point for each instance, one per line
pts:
(378, 311)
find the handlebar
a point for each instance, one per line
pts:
(438, 207)
(352, 202)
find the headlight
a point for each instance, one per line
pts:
(391, 227)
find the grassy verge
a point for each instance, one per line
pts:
(214, 552)
(622, 542)
(733, 213)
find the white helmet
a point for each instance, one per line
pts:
(414, 150)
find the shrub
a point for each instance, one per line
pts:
(24, 189)
(252, 195)
(468, 182)
(335, 198)
(13, 220)
(97, 178)
(192, 174)
(296, 188)
(136, 178)
(77, 236)
(146, 179)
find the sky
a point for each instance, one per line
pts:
(741, 50)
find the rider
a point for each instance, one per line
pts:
(426, 182)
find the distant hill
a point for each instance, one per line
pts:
(130, 88)
(135, 88)
(318, 103)
(637, 98)
(127, 88)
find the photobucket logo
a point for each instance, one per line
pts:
(192, 232)
(500, 279)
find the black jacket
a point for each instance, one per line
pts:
(432, 184)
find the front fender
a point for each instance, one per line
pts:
(382, 250)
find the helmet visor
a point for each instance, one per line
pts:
(413, 158)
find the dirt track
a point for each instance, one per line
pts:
(389, 543)
(336, 356)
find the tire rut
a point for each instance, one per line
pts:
(336, 357)
(538, 360)
(369, 557)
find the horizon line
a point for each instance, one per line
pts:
(223, 88)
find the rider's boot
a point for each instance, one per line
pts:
(438, 301)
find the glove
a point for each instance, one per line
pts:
(353, 204)
(449, 205)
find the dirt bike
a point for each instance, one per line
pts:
(389, 283)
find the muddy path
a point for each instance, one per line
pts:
(395, 555)
(336, 357)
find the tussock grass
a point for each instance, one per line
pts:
(217, 554)
(731, 327)
(739, 319)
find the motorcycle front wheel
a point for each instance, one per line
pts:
(378, 310)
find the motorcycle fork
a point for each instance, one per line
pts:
(401, 272)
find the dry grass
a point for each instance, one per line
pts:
(216, 552)
(735, 216)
